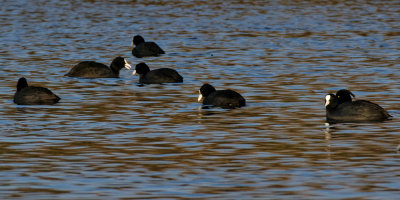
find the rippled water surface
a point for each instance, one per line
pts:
(114, 139)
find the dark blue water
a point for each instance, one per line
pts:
(115, 139)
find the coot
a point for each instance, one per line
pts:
(31, 95)
(162, 75)
(92, 69)
(346, 110)
(220, 98)
(145, 49)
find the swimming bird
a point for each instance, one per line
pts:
(220, 98)
(32, 95)
(162, 75)
(92, 69)
(341, 108)
(145, 49)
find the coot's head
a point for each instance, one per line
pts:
(331, 101)
(344, 95)
(141, 69)
(22, 83)
(205, 90)
(119, 63)
(137, 40)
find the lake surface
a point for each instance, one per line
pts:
(114, 139)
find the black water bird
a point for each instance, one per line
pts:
(220, 98)
(162, 75)
(32, 95)
(92, 69)
(341, 108)
(145, 49)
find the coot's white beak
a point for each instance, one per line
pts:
(134, 72)
(327, 100)
(200, 97)
(127, 65)
(132, 44)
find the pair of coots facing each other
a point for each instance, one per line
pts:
(92, 69)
